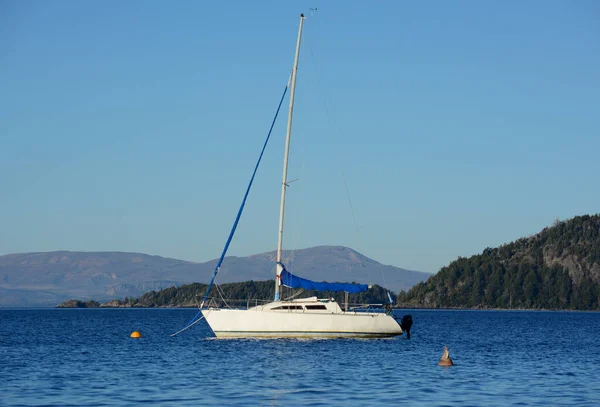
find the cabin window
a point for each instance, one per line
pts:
(288, 307)
(316, 307)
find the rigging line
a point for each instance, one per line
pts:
(302, 203)
(295, 295)
(222, 295)
(187, 327)
(192, 321)
(336, 132)
(239, 214)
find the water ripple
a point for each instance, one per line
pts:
(85, 357)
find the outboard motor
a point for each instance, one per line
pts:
(405, 324)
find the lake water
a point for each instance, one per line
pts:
(84, 357)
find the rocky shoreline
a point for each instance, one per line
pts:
(79, 304)
(115, 304)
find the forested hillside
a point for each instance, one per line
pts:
(558, 268)
(244, 293)
(247, 293)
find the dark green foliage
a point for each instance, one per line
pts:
(247, 293)
(78, 304)
(559, 268)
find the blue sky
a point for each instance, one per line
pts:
(134, 126)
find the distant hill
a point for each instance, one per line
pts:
(46, 279)
(558, 268)
(236, 294)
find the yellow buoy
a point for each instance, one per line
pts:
(135, 334)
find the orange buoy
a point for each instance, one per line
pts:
(445, 359)
(135, 334)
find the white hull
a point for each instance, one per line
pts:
(265, 322)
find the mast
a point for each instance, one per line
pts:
(285, 160)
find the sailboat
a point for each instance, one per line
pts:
(304, 317)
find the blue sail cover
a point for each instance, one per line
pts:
(292, 281)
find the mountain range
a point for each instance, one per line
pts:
(48, 278)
